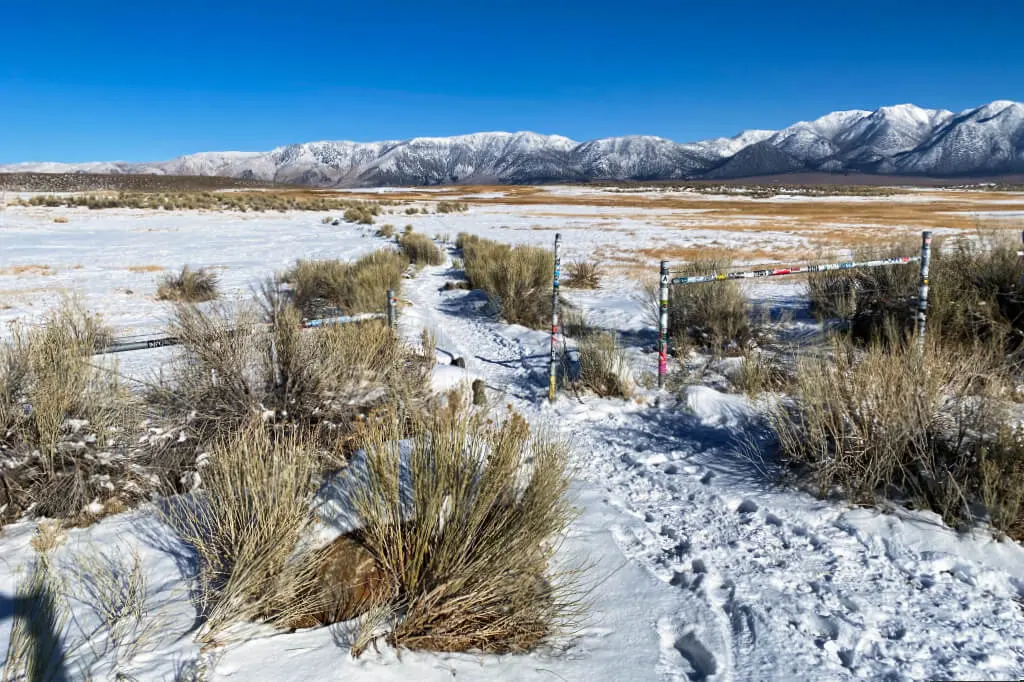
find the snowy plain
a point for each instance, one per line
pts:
(703, 567)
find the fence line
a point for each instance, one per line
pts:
(666, 279)
(133, 342)
(796, 270)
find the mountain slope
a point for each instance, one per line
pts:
(896, 140)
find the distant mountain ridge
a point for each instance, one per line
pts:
(895, 140)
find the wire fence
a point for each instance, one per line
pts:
(135, 342)
(667, 280)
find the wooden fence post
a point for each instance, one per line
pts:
(553, 369)
(922, 290)
(663, 325)
(392, 302)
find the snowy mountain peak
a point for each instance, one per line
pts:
(901, 138)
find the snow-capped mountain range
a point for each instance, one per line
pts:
(897, 140)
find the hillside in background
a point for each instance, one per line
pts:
(901, 141)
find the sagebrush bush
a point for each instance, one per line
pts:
(583, 274)
(232, 367)
(387, 231)
(358, 287)
(760, 371)
(57, 410)
(975, 294)
(604, 367)
(517, 280)
(359, 214)
(419, 248)
(714, 316)
(192, 286)
(452, 206)
(469, 542)
(248, 528)
(883, 419)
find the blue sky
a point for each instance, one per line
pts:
(92, 80)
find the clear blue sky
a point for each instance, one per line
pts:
(92, 80)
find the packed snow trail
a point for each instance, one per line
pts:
(796, 588)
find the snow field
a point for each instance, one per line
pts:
(701, 566)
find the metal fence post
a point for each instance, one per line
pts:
(553, 373)
(1021, 254)
(922, 291)
(663, 326)
(392, 303)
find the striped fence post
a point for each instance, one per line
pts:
(663, 325)
(392, 304)
(1021, 254)
(922, 290)
(553, 368)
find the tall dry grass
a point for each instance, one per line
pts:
(56, 408)
(249, 529)
(883, 420)
(464, 515)
(713, 316)
(420, 249)
(234, 367)
(188, 285)
(975, 293)
(36, 648)
(602, 365)
(583, 274)
(358, 287)
(517, 280)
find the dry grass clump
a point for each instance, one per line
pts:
(464, 516)
(232, 368)
(583, 274)
(387, 231)
(359, 214)
(248, 529)
(419, 249)
(64, 422)
(517, 280)
(359, 287)
(714, 316)
(883, 420)
(878, 303)
(761, 371)
(975, 294)
(191, 286)
(601, 364)
(452, 206)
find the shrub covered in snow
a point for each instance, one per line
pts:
(66, 424)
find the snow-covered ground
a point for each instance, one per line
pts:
(703, 567)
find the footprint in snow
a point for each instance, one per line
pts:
(684, 652)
